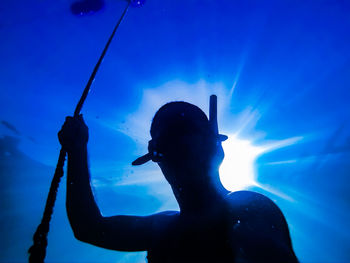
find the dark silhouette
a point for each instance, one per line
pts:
(213, 225)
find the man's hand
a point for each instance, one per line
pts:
(74, 134)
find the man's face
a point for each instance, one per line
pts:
(194, 154)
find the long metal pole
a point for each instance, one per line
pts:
(93, 74)
(37, 251)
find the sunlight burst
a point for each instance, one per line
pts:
(237, 171)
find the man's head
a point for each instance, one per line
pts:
(183, 138)
(180, 133)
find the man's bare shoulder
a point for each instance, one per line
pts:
(258, 220)
(258, 213)
(249, 196)
(247, 202)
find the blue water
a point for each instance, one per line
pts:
(280, 69)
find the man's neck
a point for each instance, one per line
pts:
(200, 198)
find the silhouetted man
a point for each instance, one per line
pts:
(213, 225)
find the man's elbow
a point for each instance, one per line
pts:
(84, 231)
(86, 235)
(84, 228)
(82, 235)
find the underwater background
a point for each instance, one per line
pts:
(280, 69)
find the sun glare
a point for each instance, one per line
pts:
(237, 170)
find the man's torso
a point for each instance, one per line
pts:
(249, 228)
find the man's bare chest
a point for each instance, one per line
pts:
(200, 240)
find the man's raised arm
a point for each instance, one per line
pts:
(126, 233)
